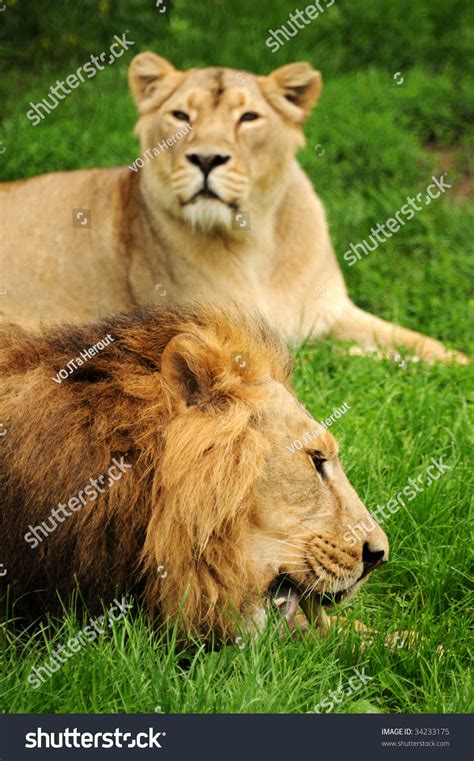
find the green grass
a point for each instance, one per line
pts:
(398, 419)
(375, 135)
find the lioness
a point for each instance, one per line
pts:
(160, 466)
(216, 204)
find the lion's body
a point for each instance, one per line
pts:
(160, 465)
(224, 209)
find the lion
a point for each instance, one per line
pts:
(216, 205)
(150, 454)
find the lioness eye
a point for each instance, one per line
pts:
(318, 462)
(181, 116)
(249, 116)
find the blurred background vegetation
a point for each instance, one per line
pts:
(353, 35)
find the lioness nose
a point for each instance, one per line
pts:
(207, 162)
(371, 558)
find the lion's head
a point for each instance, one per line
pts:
(244, 509)
(233, 135)
(216, 504)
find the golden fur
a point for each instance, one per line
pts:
(215, 505)
(154, 239)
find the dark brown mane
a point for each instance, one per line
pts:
(178, 506)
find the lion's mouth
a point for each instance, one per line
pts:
(288, 596)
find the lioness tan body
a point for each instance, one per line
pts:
(154, 237)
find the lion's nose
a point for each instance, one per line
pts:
(207, 162)
(372, 558)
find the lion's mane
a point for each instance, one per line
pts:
(171, 530)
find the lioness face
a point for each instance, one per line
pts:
(304, 504)
(232, 135)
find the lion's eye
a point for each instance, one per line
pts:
(249, 116)
(318, 461)
(181, 116)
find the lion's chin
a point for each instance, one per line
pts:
(207, 214)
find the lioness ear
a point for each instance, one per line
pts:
(293, 90)
(152, 79)
(185, 368)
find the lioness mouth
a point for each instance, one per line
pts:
(207, 193)
(204, 192)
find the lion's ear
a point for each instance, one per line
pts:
(152, 79)
(185, 369)
(293, 90)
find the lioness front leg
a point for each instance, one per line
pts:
(370, 331)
